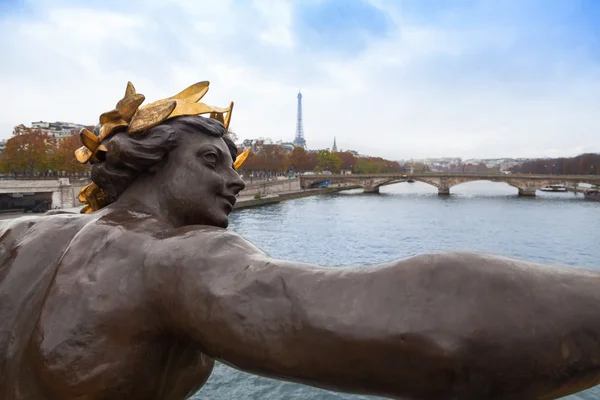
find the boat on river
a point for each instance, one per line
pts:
(554, 188)
(592, 194)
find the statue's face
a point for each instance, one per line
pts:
(198, 184)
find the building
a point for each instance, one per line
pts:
(57, 130)
(334, 149)
(257, 144)
(2, 145)
(287, 146)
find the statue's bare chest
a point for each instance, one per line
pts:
(157, 369)
(100, 339)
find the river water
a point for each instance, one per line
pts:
(351, 228)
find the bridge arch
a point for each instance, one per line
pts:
(527, 184)
(527, 187)
(60, 190)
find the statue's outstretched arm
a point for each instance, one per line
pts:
(443, 326)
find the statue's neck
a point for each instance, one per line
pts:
(142, 196)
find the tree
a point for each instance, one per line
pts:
(299, 160)
(313, 161)
(268, 158)
(583, 164)
(377, 165)
(27, 151)
(274, 157)
(348, 160)
(365, 165)
(63, 158)
(328, 161)
(249, 165)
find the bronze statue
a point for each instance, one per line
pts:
(136, 297)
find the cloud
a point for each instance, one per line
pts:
(277, 16)
(410, 79)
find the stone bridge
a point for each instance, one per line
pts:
(64, 193)
(527, 184)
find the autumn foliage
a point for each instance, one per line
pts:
(31, 152)
(272, 158)
(584, 164)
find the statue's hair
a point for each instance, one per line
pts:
(129, 155)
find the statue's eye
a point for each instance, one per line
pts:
(210, 158)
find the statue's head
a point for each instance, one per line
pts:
(186, 162)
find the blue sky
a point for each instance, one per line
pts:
(394, 78)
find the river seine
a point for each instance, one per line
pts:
(351, 228)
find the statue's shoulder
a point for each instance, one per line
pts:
(208, 243)
(40, 226)
(203, 234)
(97, 229)
(34, 244)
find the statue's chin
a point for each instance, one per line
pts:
(222, 224)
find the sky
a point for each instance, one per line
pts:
(398, 79)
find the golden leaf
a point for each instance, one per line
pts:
(151, 115)
(83, 154)
(109, 116)
(127, 106)
(83, 193)
(228, 117)
(217, 116)
(93, 196)
(129, 90)
(185, 108)
(108, 128)
(193, 93)
(88, 139)
(239, 160)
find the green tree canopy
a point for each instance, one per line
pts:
(329, 161)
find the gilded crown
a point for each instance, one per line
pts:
(130, 116)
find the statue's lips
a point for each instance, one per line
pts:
(230, 200)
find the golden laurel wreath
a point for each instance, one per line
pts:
(130, 117)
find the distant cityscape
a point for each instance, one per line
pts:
(55, 130)
(457, 164)
(60, 130)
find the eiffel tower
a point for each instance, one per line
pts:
(299, 140)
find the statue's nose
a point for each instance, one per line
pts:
(236, 184)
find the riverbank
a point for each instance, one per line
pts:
(244, 201)
(578, 188)
(251, 201)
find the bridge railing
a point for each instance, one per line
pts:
(12, 177)
(454, 174)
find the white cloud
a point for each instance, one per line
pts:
(278, 17)
(421, 90)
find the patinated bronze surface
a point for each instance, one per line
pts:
(137, 300)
